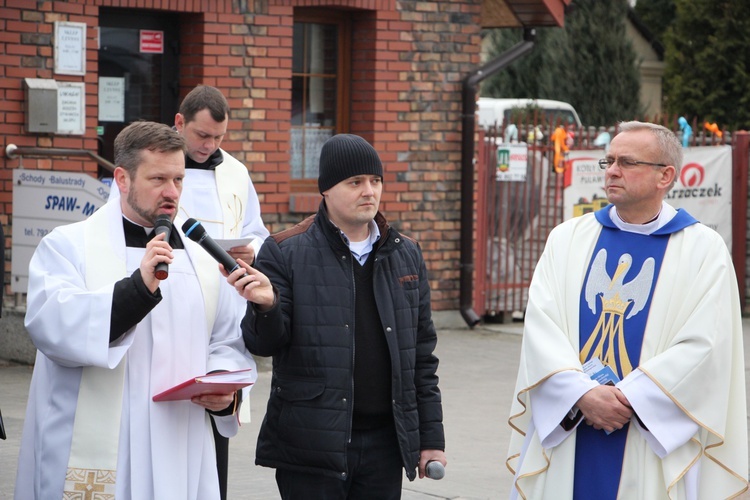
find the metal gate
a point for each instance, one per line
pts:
(513, 221)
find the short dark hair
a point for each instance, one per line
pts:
(205, 97)
(142, 135)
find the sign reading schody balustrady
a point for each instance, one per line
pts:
(43, 200)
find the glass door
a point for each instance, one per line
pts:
(138, 76)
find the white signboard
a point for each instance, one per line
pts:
(704, 187)
(111, 99)
(512, 161)
(71, 104)
(70, 48)
(43, 200)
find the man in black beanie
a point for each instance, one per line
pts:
(342, 303)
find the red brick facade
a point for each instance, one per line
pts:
(408, 61)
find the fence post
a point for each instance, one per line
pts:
(480, 267)
(740, 152)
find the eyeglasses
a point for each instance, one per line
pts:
(626, 163)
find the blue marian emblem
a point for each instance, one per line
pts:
(607, 340)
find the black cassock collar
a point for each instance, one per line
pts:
(137, 236)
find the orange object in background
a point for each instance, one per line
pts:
(713, 128)
(560, 138)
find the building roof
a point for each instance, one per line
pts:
(646, 33)
(523, 13)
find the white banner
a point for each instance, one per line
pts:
(43, 200)
(704, 187)
(584, 184)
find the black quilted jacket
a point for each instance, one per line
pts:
(310, 334)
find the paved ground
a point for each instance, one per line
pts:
(477, 375)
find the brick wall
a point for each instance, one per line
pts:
(26, 39)
(445, 44)
(408, 61)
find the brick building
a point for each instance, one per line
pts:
(294, 72)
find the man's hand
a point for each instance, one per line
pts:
(246, 253)
(428, 456)
(214, 402)
(253, 285)
(157, 250)
(605, 407)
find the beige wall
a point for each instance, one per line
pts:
(651, 71)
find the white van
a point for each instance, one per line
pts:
(494, 112)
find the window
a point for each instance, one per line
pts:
(320, 82)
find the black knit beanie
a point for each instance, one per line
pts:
(344, 156)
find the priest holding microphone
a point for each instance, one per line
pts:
(119, 312)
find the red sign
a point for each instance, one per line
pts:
(152, 42)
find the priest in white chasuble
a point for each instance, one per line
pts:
(110, 335)
(631, 383)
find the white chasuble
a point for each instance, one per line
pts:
(690, 355)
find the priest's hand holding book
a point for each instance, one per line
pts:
(215, 391)
(214, 402)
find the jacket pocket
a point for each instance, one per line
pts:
(302, 405)
(309, 420)
(298, 389)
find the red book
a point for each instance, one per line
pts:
(213, 383)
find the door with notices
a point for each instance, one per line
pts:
(138, 72)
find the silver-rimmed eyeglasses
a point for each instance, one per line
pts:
(625, 163)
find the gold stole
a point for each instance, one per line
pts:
(93, 451)
(231, 186)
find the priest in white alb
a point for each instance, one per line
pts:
(219, 193)
(110, 335)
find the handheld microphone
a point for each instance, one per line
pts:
(196, 232)
(163, 224)
(434, 470)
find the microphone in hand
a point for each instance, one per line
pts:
(196, 232)
(162, 225)
(434, 470)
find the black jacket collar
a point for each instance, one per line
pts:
(333, 233)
